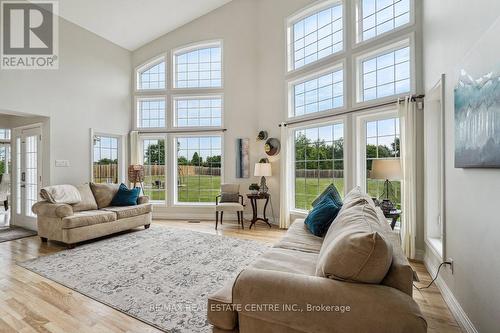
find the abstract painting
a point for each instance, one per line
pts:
(242, 158)
(477, 122)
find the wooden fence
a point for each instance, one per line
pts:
(303, 173)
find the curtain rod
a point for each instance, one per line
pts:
(184, 130)
(413, 98)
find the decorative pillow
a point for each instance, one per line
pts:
(126, 196)
(229, 197)
(88, 201)
(321, 216)
(355, 248)
(103, 193)
(332, 192)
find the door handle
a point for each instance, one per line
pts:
(23, 176)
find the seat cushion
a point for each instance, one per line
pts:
(322, 215)
(220, 311)
(88, 201)
(104, 193)
(130, 211)
(289, 261)
(299, 238)
(86, 218)
(229, 207)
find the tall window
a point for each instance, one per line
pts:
(198, 112)
(199, 67)
(319, 161)
(105, 167)
(316, 36)
(152, 76)
(382, 142)
(199, 162)
(377, 17)
(151, 112)
(153, 159)
(385, 74)
(4, 134)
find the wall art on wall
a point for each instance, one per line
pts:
(477, 122)
(242, 158)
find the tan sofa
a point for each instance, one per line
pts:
(91, 218)
(311, 284)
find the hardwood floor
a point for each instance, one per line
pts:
(30, 303)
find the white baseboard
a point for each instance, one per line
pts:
(419, 255)
(453, 304)
(165, 215)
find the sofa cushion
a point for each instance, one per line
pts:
(130, 211)
(284, 260)
(103, 193)
(229, 207)
(220, 313)
(88, 201)
(356, 248)
(86, 218)
(321, 216)
(126, 196)
(299, 238)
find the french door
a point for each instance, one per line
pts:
(28, 173)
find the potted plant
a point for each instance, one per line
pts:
(254, 187)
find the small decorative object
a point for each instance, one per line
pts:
(272, 147)
(254, 187)
(263, 170)
(136, 174)
(242, 158)
(262, 136)
(388, 170)
(477, 120)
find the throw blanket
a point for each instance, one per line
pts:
(67, 194)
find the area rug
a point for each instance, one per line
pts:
(161, 276)
(13, 233)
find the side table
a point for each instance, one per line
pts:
(253, 200)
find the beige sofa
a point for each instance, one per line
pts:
(91, 218)
(312, 284)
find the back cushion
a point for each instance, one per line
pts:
(355, 248)
(104, 193)
(88, 201)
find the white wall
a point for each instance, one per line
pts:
(91, 89)
(463, 34)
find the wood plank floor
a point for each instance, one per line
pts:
(30, 303)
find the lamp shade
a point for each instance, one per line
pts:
(386, 169)
(263, 170)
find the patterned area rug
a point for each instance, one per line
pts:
(161, 276)
(12, 233)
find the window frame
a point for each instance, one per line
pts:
(142, 138)
(138, 111)
(407, 40)
(193, 47)
(174, 200)
(120, 153)
(175, 98)
(148, 65)
(310, 76)
(312, 9)
(291, 173)
(357, 23)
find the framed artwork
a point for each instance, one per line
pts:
(242, 158)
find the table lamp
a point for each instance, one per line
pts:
(263, 170)
(387, 170)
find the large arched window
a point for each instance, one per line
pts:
(152, 75)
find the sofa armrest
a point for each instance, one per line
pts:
(44, 208)
(315, 304)
(143, 200)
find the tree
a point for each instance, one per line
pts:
(155, 154)
(106, 161)
(197, 159)
(212, 161)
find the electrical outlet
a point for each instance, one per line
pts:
(450, 264)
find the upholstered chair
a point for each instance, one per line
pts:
(229, 200)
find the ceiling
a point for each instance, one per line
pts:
(133, 23)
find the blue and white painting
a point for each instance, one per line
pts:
(477, 122)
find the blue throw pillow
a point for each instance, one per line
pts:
(126, 197)
(322, 215)
(332, 192)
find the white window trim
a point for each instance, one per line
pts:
(145, 66)
(291, 98)
(193, 47)
(291, 174)
(357, 23)
(303, 13)
(139, 98)
(403, 41)
(121, 153)
(142, 137)
(175, 202)
(196, 128)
